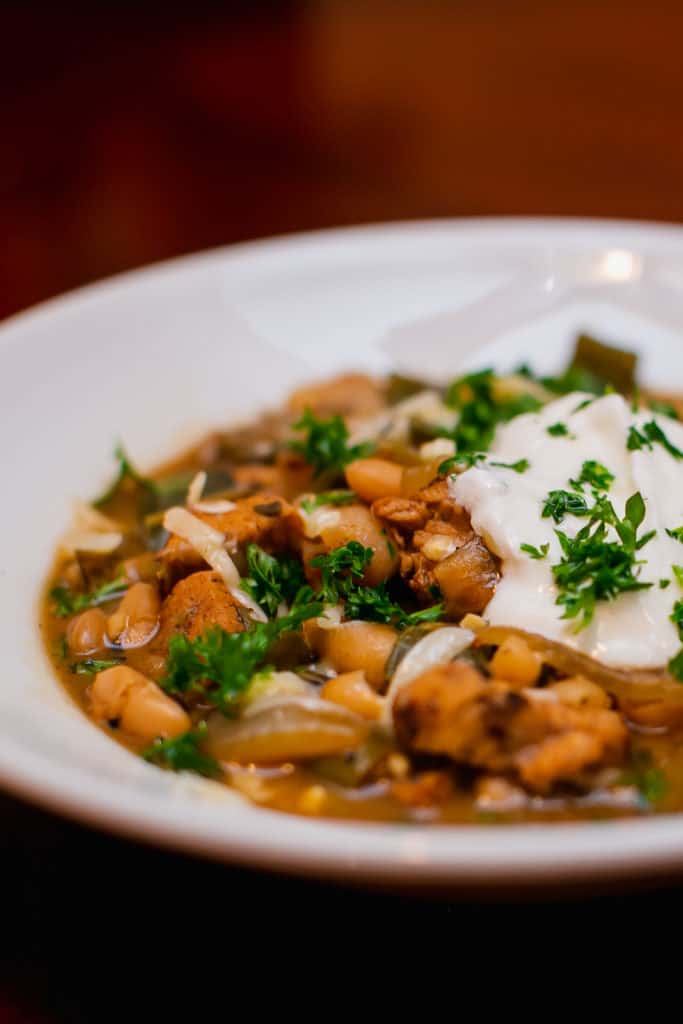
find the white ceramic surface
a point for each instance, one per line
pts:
(152, 357)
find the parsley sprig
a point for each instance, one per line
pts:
(595, 475)
(650, 435)
(272, 581)
(66, 602)
(218, 666)
(183, 754)
(325, 446)
(480, 411)
(594, 568)
(328, 498)
(340, 571)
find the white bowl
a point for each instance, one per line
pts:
(155, 356)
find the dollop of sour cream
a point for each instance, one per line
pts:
(635, 628)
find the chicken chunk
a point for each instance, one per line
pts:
(454, 710)
(439, 551)
(196, 603)
(263, 519)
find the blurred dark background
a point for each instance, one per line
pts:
(134, 132)
(130, 133)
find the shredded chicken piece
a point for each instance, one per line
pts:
(453, 710)
(262, 519)
(439, 551)
(196, 603)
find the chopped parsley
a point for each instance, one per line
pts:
(663, 584)
(675, 666)
(650, 435)
(342, 568)
(66, 603)
(676, 533)
(558, 430)
(641, 773)
(533, 552)
(480, 411)
(272, 581)
(678, 573)
(325, 446)
(374, 604)
(584, 405)
(328, 498)
(559, 504)
(218, 666)
(339, 567)
(182, 754)
(677, 617)
(91, 666)
(594, 568)
(520, 466)
(595, 475)
(664, 409)
(465, 459)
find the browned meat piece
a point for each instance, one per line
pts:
(439, 550)
(351, 394)
(467, 579)
(454, 710)
(196, 603)
(264, 519)
(402, 513)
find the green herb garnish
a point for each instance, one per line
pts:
(91, 666)
(339, 567)
(533, 552)
(325, 446)
(650, 435)
(649, 780)
(559, 504)
(374, 604)
(328, 498)
(663, 584)
(664, 409)
(676, 533)
(218, 666)
(595, 475)
(481, 412)
(67, 603)
(182, 754)
(678, 573)
(520, 466)
(677, 617)
(558, 430)
(465, 459)
(594, 568)
(675, 666)
(272, 581)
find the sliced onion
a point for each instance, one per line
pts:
(205, 540)
(638, 685)
(437, 647)
(196, 488)
(214, 507)
(318, 519)
(264, 689)
(95, 542)
(287, 729)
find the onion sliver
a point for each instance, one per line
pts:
(436, 648)
(205, 540)
(637, 685)
(288, 729)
